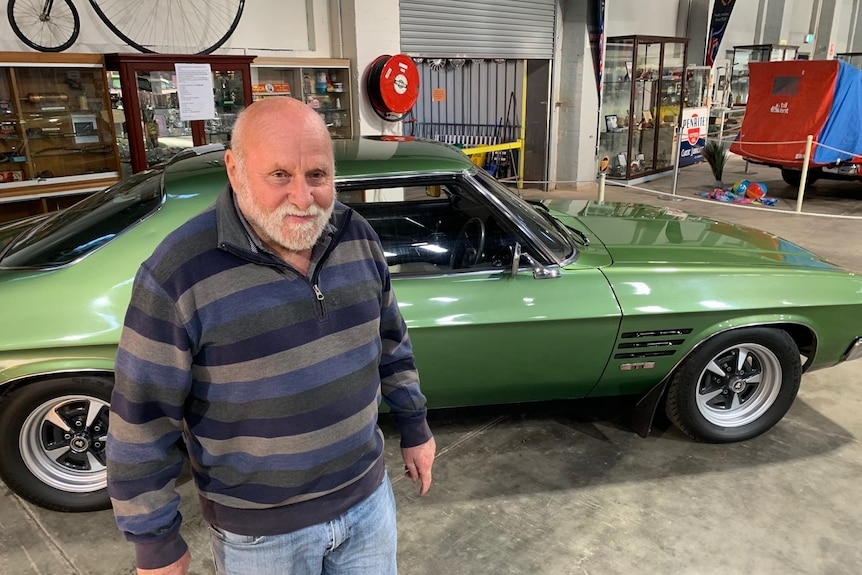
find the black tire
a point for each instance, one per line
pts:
(794, 177)
(765, 371)
(52, 443)
(53, 32)
(187, 27)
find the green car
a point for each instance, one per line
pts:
(506, 301)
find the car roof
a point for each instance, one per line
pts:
(364, 156)
(369, 155)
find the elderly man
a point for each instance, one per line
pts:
(264, 332)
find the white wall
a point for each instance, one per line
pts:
(267, 28)
(647, 17)
(371, 28)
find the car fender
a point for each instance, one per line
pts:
(799, 329)
(21, 369)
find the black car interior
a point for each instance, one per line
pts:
(438, 229)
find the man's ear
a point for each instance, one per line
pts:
(231, 165)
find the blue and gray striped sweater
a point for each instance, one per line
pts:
(272, 378)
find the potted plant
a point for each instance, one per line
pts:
(715, 153)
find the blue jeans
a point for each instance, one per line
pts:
(362, 541)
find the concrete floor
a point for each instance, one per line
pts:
(569, 489)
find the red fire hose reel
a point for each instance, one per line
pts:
(392, 85)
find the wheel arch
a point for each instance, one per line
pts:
(643, 417)
(11, 385)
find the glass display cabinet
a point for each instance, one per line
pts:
(323, 84)
(696, 87)
(56, 134)
(742, 55)
(147, 119)
(642, 103)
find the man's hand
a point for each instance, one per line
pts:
(180, 567)
(418, 462)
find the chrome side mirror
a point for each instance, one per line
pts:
(540, 272)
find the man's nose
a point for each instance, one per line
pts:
(302, 195)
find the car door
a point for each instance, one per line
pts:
(482, 334)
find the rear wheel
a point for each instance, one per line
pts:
(793, 177)
(736, 386)
(52, 443)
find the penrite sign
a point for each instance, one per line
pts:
(692, 135)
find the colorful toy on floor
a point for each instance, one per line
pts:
(754, 191)
(742, 192)
(740, 187)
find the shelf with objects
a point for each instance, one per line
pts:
(725, 123)
(642, 102)
(148, 118)
(742, 55)
(322, 83)
(56, 135)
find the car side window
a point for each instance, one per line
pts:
(86, 226)
(435, 229)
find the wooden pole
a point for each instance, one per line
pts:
(802, 180)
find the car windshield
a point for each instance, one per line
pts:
(87, 225)
(554, 237)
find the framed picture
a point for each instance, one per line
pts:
(85, 128)
(611, 122)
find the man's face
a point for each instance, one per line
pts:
(285, 188)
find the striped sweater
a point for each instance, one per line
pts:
(272, 378)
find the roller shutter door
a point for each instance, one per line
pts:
(512, 29)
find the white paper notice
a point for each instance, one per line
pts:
(195, 91)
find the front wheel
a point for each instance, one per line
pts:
(52, 443)
(736, 386)
(171, 26)
(44, 25)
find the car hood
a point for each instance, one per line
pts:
(636, 233)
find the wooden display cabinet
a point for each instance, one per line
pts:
(142, 104)
(56, 133)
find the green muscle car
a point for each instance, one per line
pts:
(506, 301)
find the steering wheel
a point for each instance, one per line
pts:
(468, 245)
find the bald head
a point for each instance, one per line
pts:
(275, 118)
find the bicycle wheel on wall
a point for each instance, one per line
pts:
(44, 25)
(171, 26)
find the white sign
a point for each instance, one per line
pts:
(694, 125)
(195, 91)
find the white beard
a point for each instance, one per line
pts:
(295, 238)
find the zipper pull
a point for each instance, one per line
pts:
(317, 292)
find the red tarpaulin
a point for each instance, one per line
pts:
(787, 101)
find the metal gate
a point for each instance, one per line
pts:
(472, 103)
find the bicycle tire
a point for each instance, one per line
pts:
(168, 26)
(25, 18)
